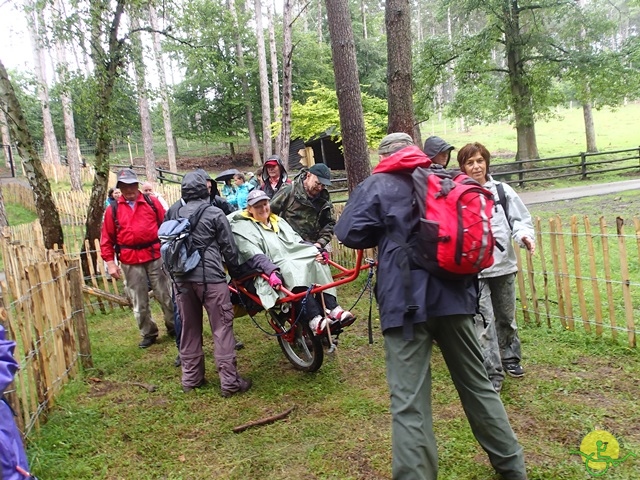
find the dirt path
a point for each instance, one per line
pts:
(544, 196)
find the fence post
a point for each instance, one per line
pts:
(520, 173)
(583, 165)
(74, 274)
(13, 170)
(160, 175)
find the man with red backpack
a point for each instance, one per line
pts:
(130, 233)
(381, 213)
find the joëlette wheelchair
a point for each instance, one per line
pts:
(302, 348)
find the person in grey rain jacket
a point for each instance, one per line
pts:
(496, 323)
(206, 286)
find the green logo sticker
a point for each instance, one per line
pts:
(600, 451)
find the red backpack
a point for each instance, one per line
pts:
(454, 237)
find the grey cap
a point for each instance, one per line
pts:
(394, 142)
(126, 175)
(256, 196)
(435, 145)
(323, 173)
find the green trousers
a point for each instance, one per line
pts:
(415, 454)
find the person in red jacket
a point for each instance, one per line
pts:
(130, 233)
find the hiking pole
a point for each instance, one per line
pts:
(332, 347)
(24, 473)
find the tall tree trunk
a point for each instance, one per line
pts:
(166, 112)
(6, 146)
(399, 86)
(275, 80)
(319, 23)
(363, 15)
(589, 127)
(345, 68)
(6, 137)
(36, 27)
(143, 101)
(73, 156)
(521, 99)
(264, 84)
(45, 206)
(287, 85)
(107, 68)
(255, 148)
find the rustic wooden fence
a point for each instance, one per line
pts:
(42, 309)
(583, 274)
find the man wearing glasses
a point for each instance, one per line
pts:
(305, 204)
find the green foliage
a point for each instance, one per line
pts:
(320, 114)
(25, 88)
(209, 102)
(566, 50)
(311, 65)
(123, 115)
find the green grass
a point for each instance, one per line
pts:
(18, 215)
(562, 135)
(104, 427)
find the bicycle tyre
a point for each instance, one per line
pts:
(306, 352)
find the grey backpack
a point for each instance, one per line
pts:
(178, 254)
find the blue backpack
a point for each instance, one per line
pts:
(178, 254)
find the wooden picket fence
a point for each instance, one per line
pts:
(42, 310)
(583, 274)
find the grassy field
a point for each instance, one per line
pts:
(106, 427)
(561, 135)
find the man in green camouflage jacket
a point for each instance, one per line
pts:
(306, 206)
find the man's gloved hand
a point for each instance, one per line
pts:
(274, 280)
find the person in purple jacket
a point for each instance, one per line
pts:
(13, 458)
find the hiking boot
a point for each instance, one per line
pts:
(177, 362)
(191, 388)
(239, 344)
(514, 370)
(147, 342)
(243, 386)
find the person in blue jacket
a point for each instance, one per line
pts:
(417, 308)
(12, 454)
(239, 198)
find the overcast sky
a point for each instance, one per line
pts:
(15, 46)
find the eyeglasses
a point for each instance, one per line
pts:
(317, 184)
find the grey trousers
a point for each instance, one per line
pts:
(498, 332)
(415, 455)
(138, 289)
(215, 298)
